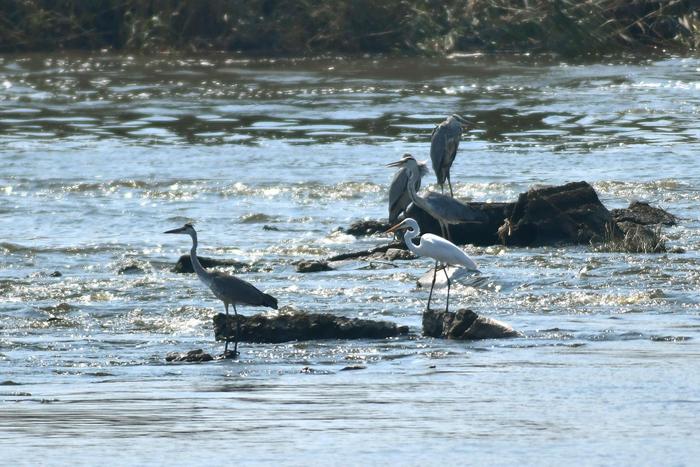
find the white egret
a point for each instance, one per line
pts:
(441, 250)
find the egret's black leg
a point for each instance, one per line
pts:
(447, 304)
(432, 286)
(238, 330)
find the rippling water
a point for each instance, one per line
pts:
(100, 154)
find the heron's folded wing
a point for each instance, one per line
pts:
(452, 210)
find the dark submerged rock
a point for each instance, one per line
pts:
(313, 266)
(464, 325)
(366, 227)
(131, 269)
(395, 254)
(197, 355)
(366, 253)
(184, 264)
(353, 367)
(300, 326)
(641, 213)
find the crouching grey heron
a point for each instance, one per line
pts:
(227, 288)
(444, 209)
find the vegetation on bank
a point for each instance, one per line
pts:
(312, 27)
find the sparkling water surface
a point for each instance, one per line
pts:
(101, 154)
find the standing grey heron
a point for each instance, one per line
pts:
(444, 209)
(227, 288)
(399, 197)
(444, 142)
(432, 246)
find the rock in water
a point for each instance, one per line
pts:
(366, 227)
(565, 214)
(197, 355)
(641, 213)
(300, 326)
(464, 325)
(313, 266)
(570, 213)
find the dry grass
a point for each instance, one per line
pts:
(635, 238)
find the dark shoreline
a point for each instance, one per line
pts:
(279, 28)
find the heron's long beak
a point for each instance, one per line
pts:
(175, 231)
(466, 124)
(396, 164)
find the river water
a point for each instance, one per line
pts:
(100, 154)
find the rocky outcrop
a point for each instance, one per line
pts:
(300, 326)
(570, 213)
(641, 213)
(565, 214)
(464, 325)
(184, 264)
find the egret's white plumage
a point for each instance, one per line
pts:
(441, 250)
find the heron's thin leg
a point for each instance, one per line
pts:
(450, 185)
(443, 229)
(447, 235)
(447, 304)
(432, 286)
(238, 330)
(226, 328)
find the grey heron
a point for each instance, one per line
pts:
(227, 288)
(441, 250)
(399, 197)
(444, 209)
(444, 142)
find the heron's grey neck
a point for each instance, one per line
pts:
(412, 192)
(196, 265)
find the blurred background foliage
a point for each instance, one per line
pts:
(315, 27)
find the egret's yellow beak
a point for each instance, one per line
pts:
(398, 226)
